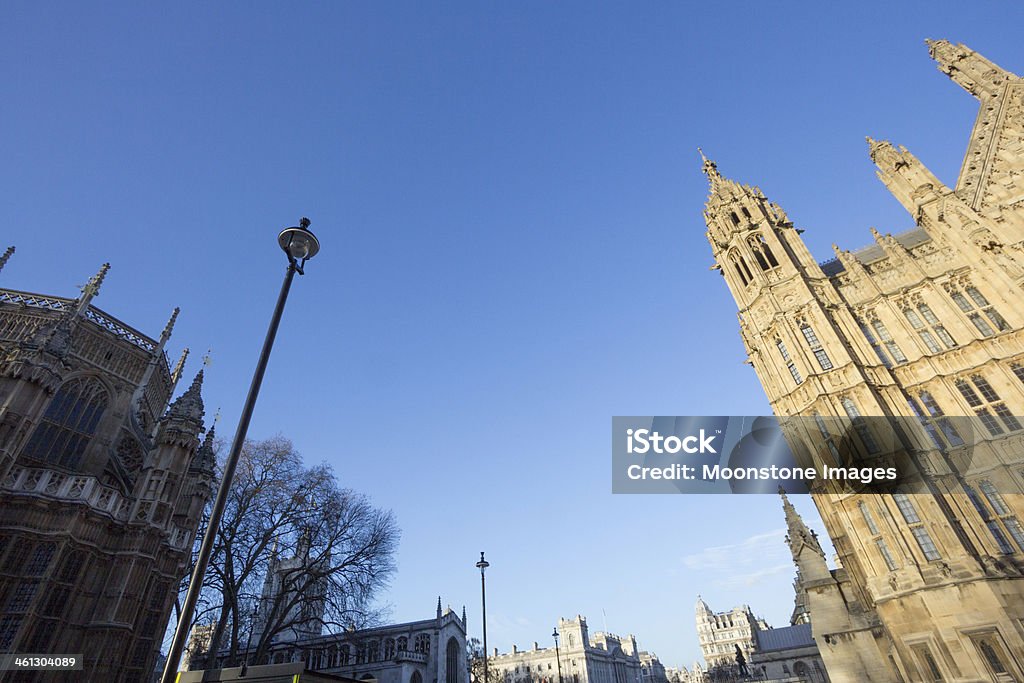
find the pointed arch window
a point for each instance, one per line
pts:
(68, 424)
(762, 252)
(742, 269)
(452, 661)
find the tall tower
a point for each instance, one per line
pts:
(919, 325)
(101, 489)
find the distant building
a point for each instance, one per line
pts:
(720, 633)
(684, 675)
(651, 669)
(426, 651)
(605, 658)
(305, 616)
(787, 654)
(103, 484)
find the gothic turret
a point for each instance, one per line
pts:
(799, 537)
(967, 68)
(909, 181)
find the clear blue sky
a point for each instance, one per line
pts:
(509, 201)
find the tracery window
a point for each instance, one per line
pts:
(992, 653)
(452, 661)
(789, 361)
(860, 425)
(928, 327)
(887, 340)
(990, 523)
(389, 649)
(989, 399)
(920, 533)
(929, 667)
(938, 422)
(976, 303)
(740, 264)
(1010, 521)
(875, 346)
(762, 252)
(816, 348)
(403, 644)
(68, 424)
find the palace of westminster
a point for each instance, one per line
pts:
(105, 474)
(922, 325)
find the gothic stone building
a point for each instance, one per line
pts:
(102, 484)
(425, 651)
(923, 324)
(605, 658)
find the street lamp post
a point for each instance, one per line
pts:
(300, 245)
(558, 659)
(482, 565)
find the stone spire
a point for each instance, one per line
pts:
(5, 257)
(463, 617)
(438, 606)
(190, 404)
(798, 535)
(709, 168)
(169, 327)
(968, 69)
(91, 289)
(179, 366)
(205, 459)
(909, 180)
(154, 360)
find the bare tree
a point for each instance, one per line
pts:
(279, 508)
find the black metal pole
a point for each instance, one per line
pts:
(483, 564)
(206, 549)
(558, 658)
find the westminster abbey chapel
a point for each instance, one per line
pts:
(103, 480)
(925, 326)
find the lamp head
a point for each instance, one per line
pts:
(482, 564)
(299, 243)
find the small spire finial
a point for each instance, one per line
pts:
(7, 255)
(303, 222)
(179, 366)
(709, 167)
(92, 287)
(207, 359)
(169, 327)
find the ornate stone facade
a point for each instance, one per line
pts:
(720, 633)
(605, 658)
(922, 324)
(426, 651)
(103, 484)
